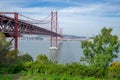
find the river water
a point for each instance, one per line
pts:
(69, 51)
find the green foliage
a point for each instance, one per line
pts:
(74, 69)
(18, 65)
(96, 72)
(53, 71)
(38, 68)
(11, 68)
(56, 77)
(4, 77)
(9, 60)
(114, 70)
(28, 65)
(54, 68)
(15, 68)
(42, 58)
(4, 48)
(11, 57)
(7, 56)
(101, 51)
(25, 58)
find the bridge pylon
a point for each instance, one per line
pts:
(54, 28)
(15, 36)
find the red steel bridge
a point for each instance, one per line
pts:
(13, 24)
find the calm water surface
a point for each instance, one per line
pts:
(69, 51)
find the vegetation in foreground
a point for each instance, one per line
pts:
(45, 70)
(46, 77)
(98, 58)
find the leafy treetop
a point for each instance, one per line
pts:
(102, 50)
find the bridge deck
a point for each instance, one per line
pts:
(7, 27)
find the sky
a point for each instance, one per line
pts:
(76, 17)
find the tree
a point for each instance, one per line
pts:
(11, 57)
(7, 56)
(4, 48)
(102, 50)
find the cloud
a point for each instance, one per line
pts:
(94, 9)
(80, 9)
(101, 9)
(85, 19)
(88, 20)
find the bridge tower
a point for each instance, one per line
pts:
(15, 35)
(54, 28)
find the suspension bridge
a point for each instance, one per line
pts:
(14, 25)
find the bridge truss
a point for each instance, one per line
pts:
(15, 27)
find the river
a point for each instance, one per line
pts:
(69, 51)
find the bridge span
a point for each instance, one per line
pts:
(15, 27)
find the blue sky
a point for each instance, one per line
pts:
(76, 17)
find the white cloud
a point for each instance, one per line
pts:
(78, 20)
(88, 25)
(80, 9)
(88, 20)
(94, 9)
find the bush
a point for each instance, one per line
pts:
(42, 58)
(25, 58)
(38, 68)
(27, 66)
(114, 70)
(3, 70)
(55, 69)
(15, 68)
(74, 69)
(4, 77)
(11, 68)
(96, 72)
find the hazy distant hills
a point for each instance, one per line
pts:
(64, 36)
(73, 36)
